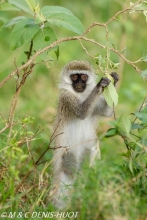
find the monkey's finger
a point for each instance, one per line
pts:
(115, 76)
(104, 82)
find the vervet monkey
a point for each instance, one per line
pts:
(81, 103)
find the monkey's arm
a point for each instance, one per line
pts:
(102, 109)
(81, 109)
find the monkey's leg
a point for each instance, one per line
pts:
(95, 152)
(65, 180)
(61, 197)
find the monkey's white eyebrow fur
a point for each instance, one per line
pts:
(79, 71)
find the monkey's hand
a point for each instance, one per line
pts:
(115, 77)
(104, 82)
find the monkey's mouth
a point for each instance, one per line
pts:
(79, 87)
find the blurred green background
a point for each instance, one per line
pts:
(39, 95)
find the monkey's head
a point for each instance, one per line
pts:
(78, 76)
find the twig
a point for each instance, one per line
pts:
(25, 75)
(141, 107)
(11, 113)
(30, 50)
(53, 136)
(24, 178)
(18, 88)
(29, 139)
(17, 73)
(3, 129)
(30, 153)
(122, 12)
(93, 25)
(107, 48)
(127, 61)
(5, 121)
(86, 50)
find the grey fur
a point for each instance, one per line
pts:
(75, 126)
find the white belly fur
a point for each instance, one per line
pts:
(79, 135)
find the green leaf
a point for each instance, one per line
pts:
(144, 73)
(44, 38)
(23, 32)
(57, 53)
(116, 65)
(113, 65)
(124, 125)
(131, 166)
(13, 21)
(62, 17)
(144, 140)
(100, 59)
(131, 4)
(136, 126)
(31, 4)
(55, 10)
(144, 57)
(111, 132)
(145, 14)
(141, 116)
(3, 18)
(135, 6)
(127, 154)
(114, 46)
(123, 50)
(8, 7)
(21, 4)
(111, 95)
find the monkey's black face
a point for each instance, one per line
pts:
(79, 82)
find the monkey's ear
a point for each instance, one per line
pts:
(115, 77)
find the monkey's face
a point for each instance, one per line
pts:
(79, 81)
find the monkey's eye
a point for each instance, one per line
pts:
(84, 77)
(74, 77)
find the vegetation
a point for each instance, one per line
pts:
(36, 41)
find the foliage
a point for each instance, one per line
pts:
(107, 190)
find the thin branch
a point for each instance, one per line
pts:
(30, 50)
(141, 107)
(11, 113)
(93, 25)
(17, 73)
(28, 146)
(107, 48)
(127, 61)
(5, 121)
(35, 56)
(53, 136)
(15, 97)
(84, 48)
(3, 129)
(123, 11)
(23, 180)
(25, 75)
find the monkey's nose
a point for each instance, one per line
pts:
(79, 86)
